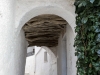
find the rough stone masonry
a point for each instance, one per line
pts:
(44, 30)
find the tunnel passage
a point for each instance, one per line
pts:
(44, 30)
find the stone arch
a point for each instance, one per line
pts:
(56, 10)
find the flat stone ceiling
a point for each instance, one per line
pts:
(44, 30)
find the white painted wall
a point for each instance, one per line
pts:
(12, 47)
(42, 67)
(61, 57)
(52, 51)
(30, 49)
(6, 50)
(19, 56)
(71, 58)
(68, 63)
(12, 39)
(35, 65)
(27, 9)
(30, 65)
(30, 62)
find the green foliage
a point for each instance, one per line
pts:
(87, 41)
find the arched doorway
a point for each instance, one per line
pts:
(55, 10)
(45, 30)
(15, 46)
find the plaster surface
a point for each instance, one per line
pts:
(35, 65)
(31, 8)
(71, 58)
(66, 62)
(12, 48)
(42, 67)
(30, 65)
(12, 39)
(20, 54)
(62, 8)
(61, 57)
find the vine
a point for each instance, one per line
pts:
(87, 40)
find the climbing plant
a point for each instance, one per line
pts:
(87, 40)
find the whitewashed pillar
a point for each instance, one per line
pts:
(12, 52)
(62, 57)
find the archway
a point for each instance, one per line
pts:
(45, 30)
(48, 10)
(56, 10)
(17, 48)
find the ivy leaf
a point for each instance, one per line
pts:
(98, 14)
(84, 20)
(97, 30)
(99, 3)
(98, 52)
(97, 23)
(91, 16)
(98, 38)
(97, 68)
(87, 41)
(77, 29)
(92, 1)
(84, 3)
(80, 5)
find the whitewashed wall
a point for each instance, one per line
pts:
(71, 58)
(27, 9)
(66, 62)
(30, 61)
(12, 40)
(35, 65)
(42, 67)
(30, 65)
(61, 57)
